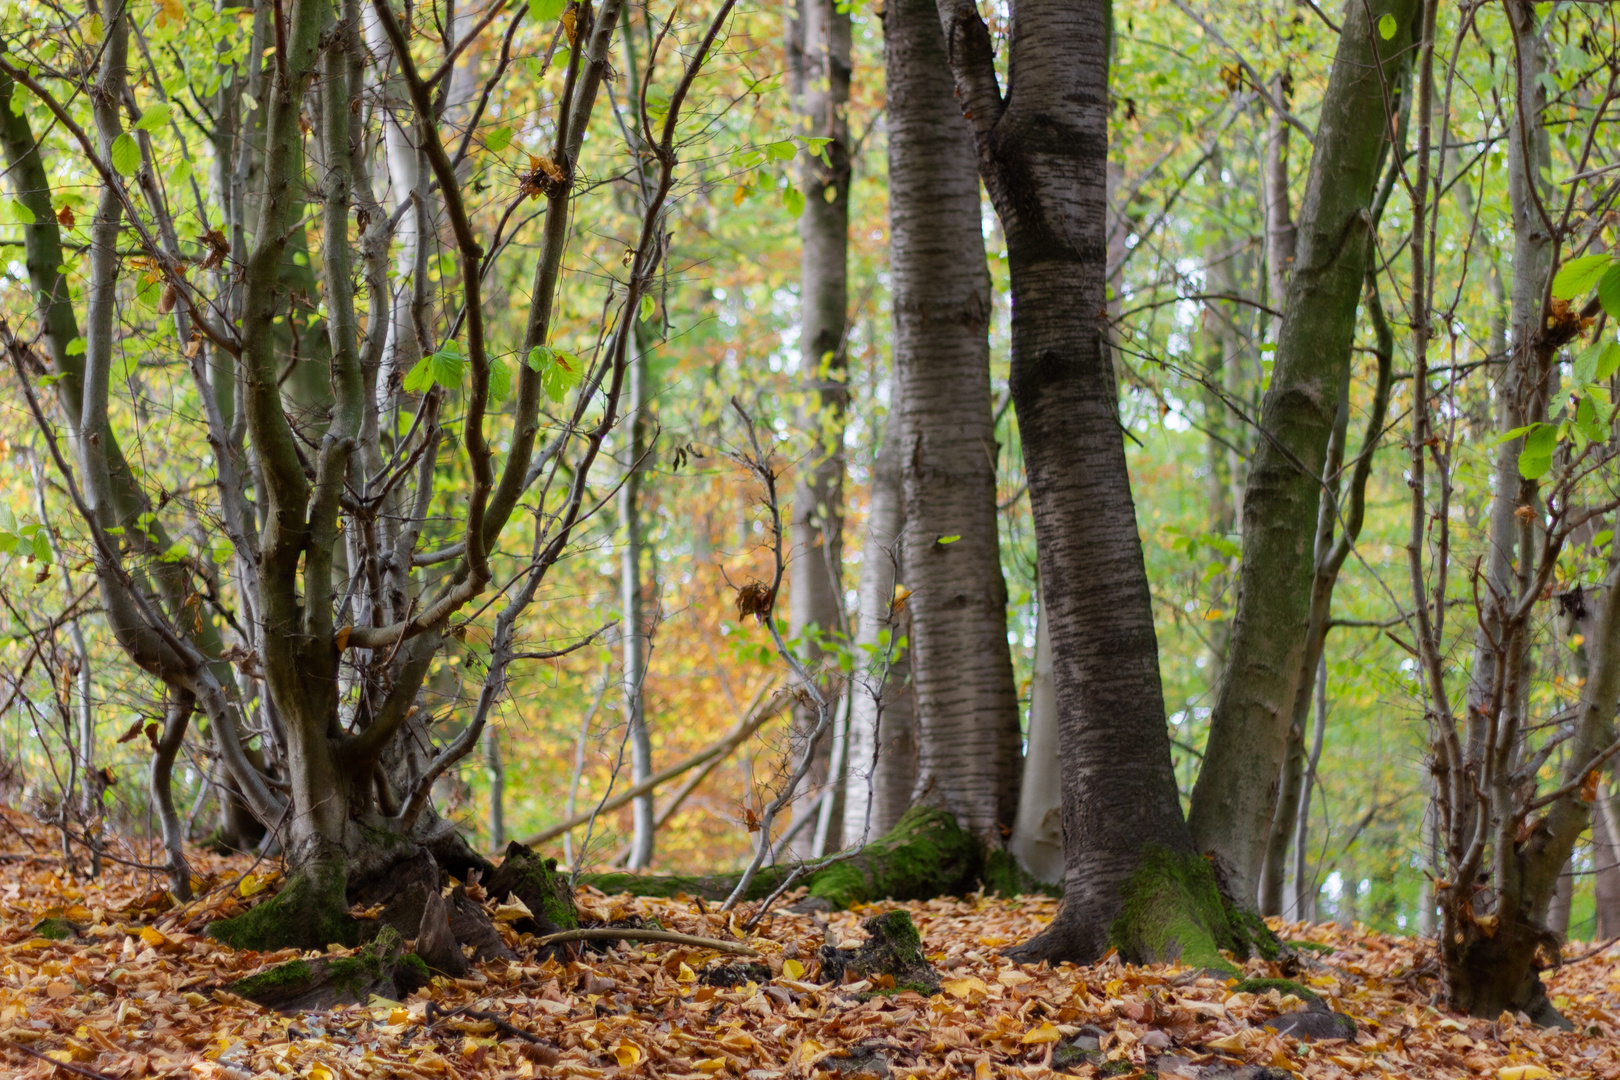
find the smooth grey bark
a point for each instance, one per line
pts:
(1563, 895)
(1606, 863)
(1037, 835)
(1042, 151)
(821, 48)
(496, 765)
(882, 698)
(634, 641)
(1281, 235)
(1235, 796)
(969, 748)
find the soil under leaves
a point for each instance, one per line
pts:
(112, 979)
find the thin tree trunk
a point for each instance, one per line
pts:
(967, 704)
(1304, 877)
(1037, 836)
(1606, 864)
(817, 513)
(1563, 895)
(497, 789)
(873, 710)
(1235, 797)
(1281, 235)
(634, 639)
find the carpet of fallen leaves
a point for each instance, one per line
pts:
(137, 993)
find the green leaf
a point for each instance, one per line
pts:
(1387, 26)
(500, 381)
(155, 117)
(42, 547)
(1610, 361)
(746, 159)
(1576, 277)
(175, 553)
(793, 199)
(648, 307)
(1535, 460)
(7, 521)
(781, 151)
(420, 378)
(539, 359)
(447, 366)
(23, 215)
(498, 140)
(1584, 370)
(948, 539)
(1609, 291)
(126, 156)
(1586, 419)
(1509, 436)
(1602, 538)
(77, 346)
(546, 11)
(114, 530)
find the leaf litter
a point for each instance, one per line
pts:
(110, 978)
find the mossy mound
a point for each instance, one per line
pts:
(1309, 946)
(56, 929)
(1172, 910)
(894, 948)
(535, 881)
(380, 968)
(308, 913)
(926, 854)
(1002, 876)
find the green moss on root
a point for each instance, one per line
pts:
(1172, 910)
(281, 980)
(1002, 876)
(926, 854)
(56, 929)
(306, 914)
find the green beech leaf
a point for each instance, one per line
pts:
(648, 307)
(1584, 370)
(781, 151)
(447, 366)
(1586, 419)
(793, 199)
(1509, 436)
(1609, 362)
(1609, 291)
(77, 346)
(1387, 26)
(1535, 460)
(1576, 277)
(500, 381)
(546, 11)
(23, 215)
(155, 117)
(420, 378)
(126, 156)
(498, 140)
(42, 547)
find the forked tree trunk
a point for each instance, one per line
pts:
(967, 706)
(1132, 878)
(1236, 793)
(822, 38)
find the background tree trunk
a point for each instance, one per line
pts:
(817, 512)
(634, 640)
(967, 706)
(1606, 864)
(1236, 793)
(1037, 836)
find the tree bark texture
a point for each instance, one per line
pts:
(970, 752)
(820, 43)
(1042, 149)
(1037, 836)
(1236, 792)
(634, 640)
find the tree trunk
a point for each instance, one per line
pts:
(967, 705)
(822, 47)
(1037, 836)
(1234, 799)
(497, 789)
(1606, 864)
(1281, 236)
(634, 639)
(1304, 877)
(880, 773)
(1132, 878)
(1563, 896)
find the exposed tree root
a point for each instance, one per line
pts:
(636, 933)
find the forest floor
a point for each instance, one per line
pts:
(137, 992)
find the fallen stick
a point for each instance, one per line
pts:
(742, 731)
(632, 933)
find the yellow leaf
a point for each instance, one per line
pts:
(738, 1042)
(195, 1000)
(793, 969)
(962, 988)
(399, 1015)
(156, 938)
(686, 975)
(1232, 1044)
(982, 1070)
(513, 910)
(627, 1054)
(252, 884)
(710, 1065)
(318, 1071)
(1046, 1033)
(1522, 1072)
(806, 1053)
(1013, 977)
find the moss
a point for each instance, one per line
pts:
(1003, 876)
(1172, 909)
(925, 855)
(1282, 986)
(56, 929)
(1311, 946)
(281, 980)
(538, 884)
(308, 913)
(894, 948)
(416, 966)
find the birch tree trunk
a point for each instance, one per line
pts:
(633, 629)
(1235, 797)
(969, 750)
